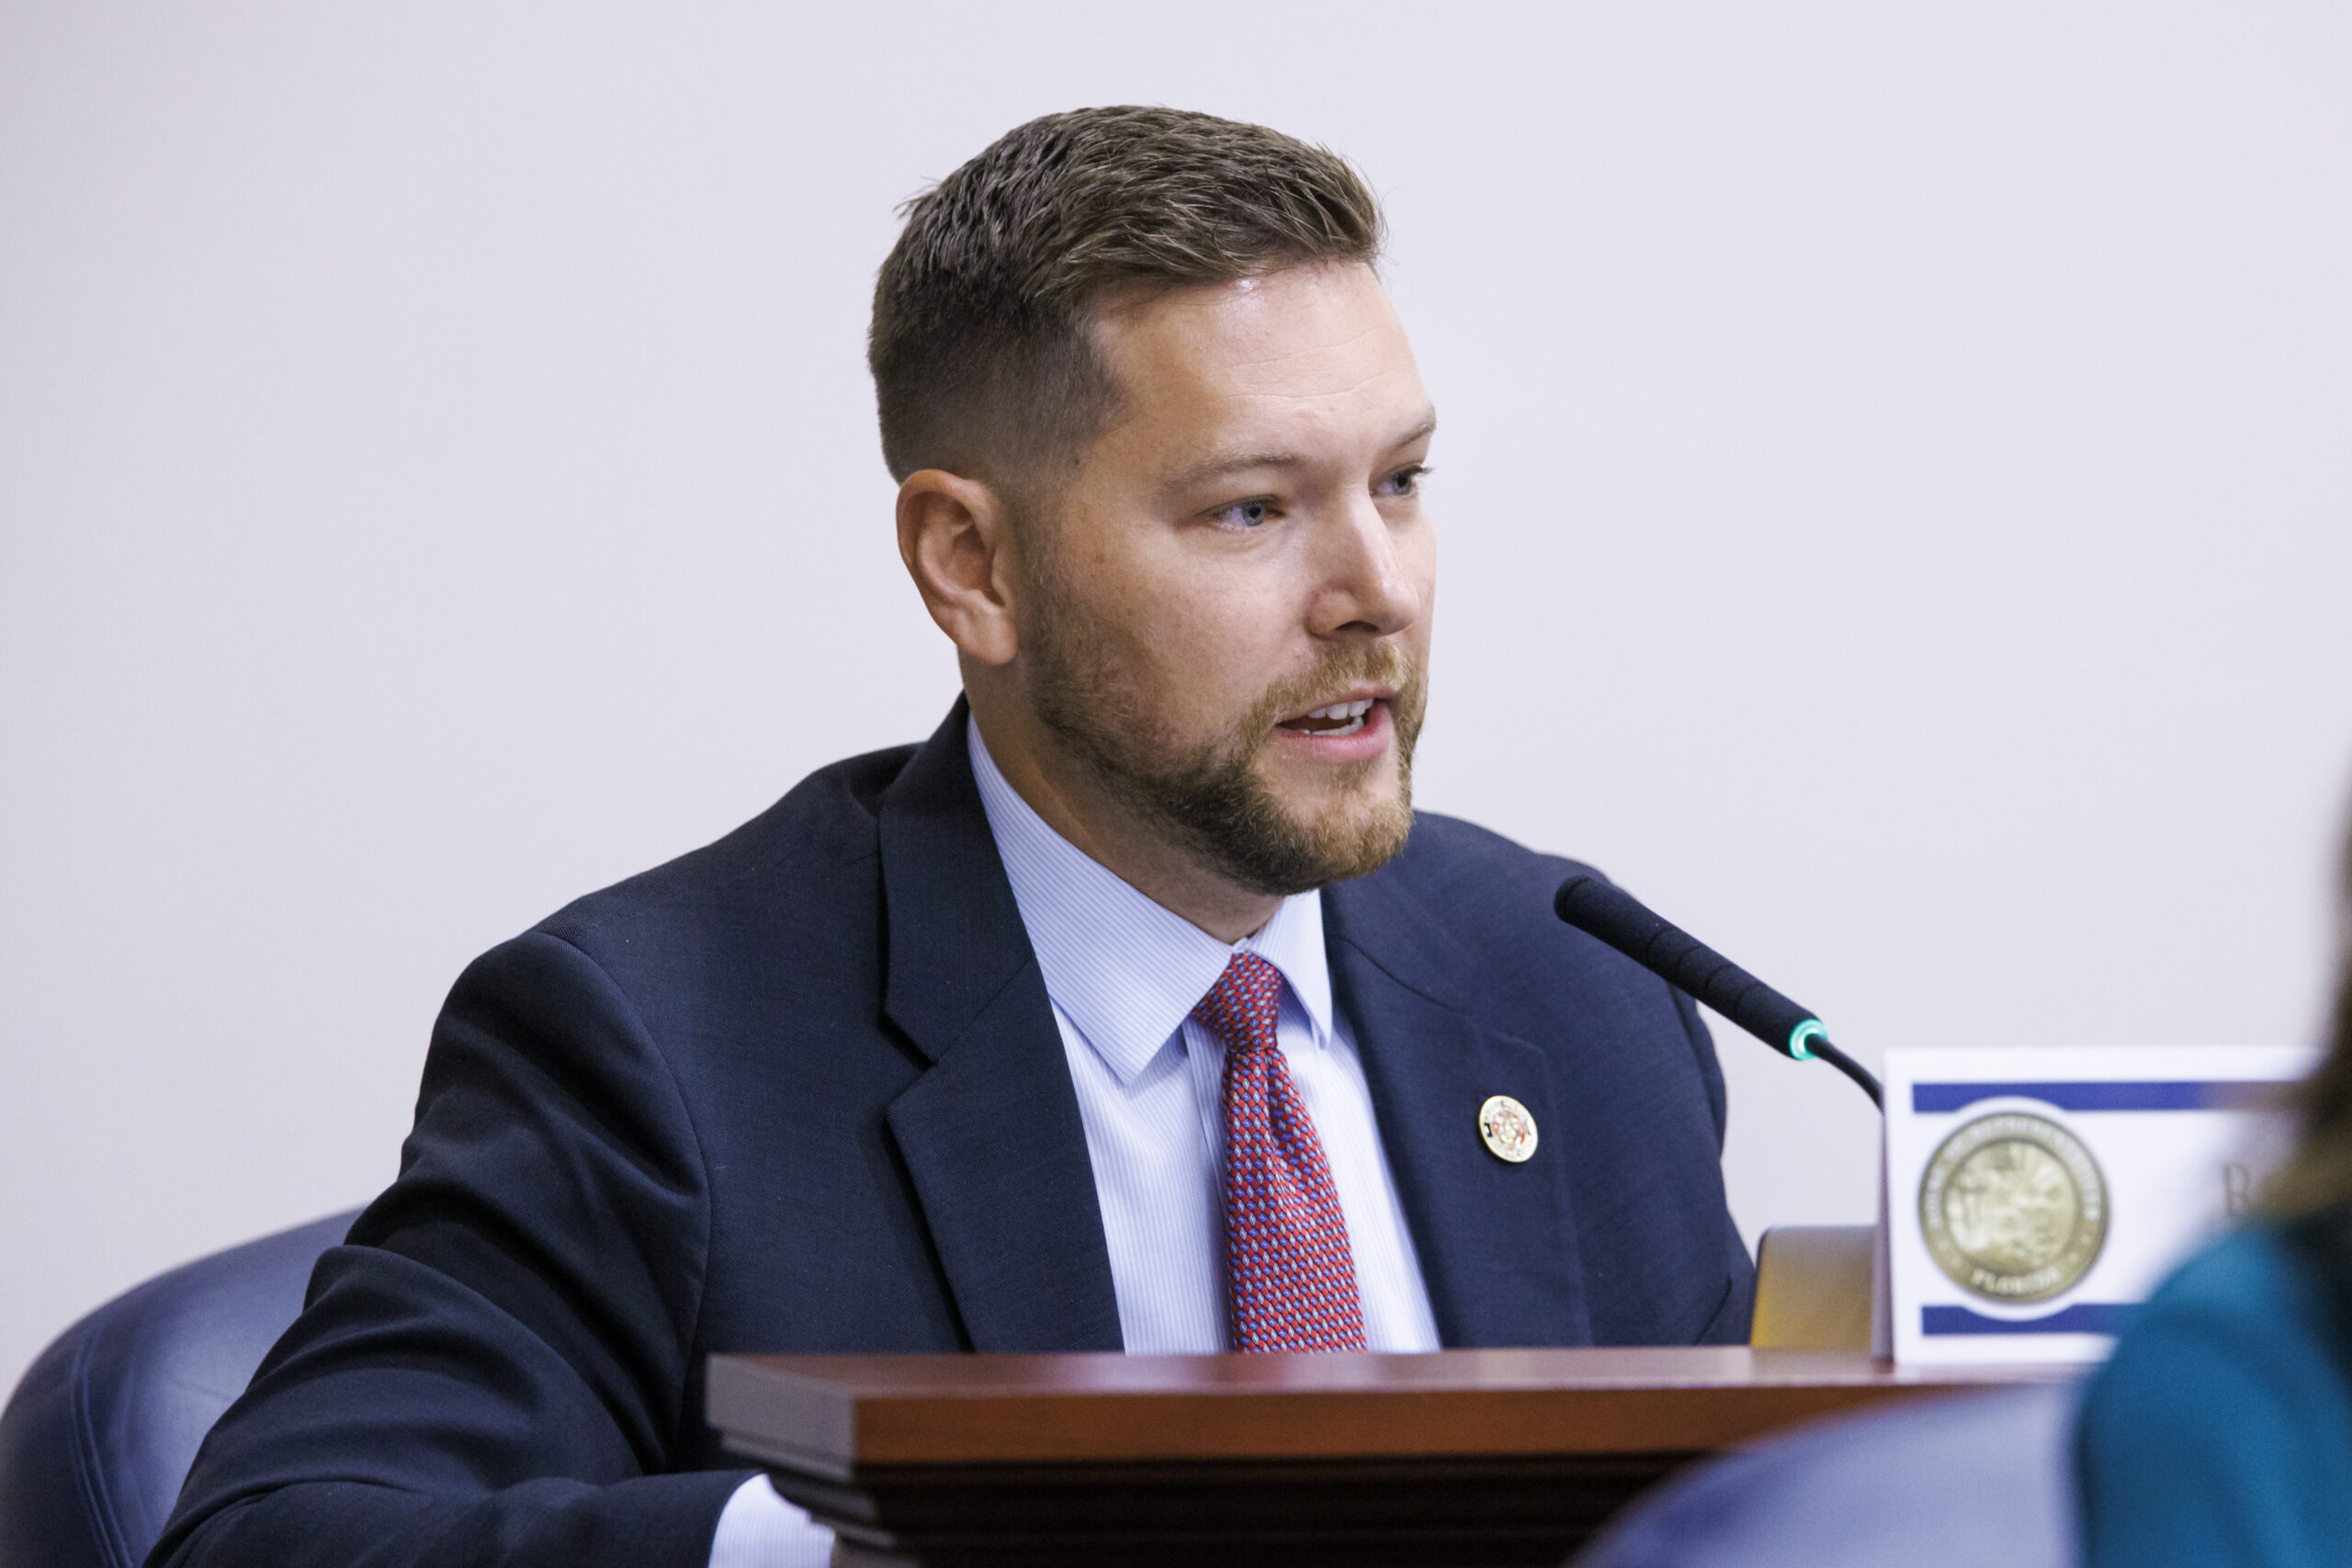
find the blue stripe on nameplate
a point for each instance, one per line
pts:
(2082, 1318)
(2231, 1094)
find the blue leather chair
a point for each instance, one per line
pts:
(98, 1436)
(1967, 1479)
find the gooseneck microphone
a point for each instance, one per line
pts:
(1599, 909)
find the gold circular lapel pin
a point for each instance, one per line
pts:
(1506, 1128)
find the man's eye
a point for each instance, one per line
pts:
(1246, 513)
(1405, 481)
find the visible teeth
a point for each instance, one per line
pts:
(1339, 719)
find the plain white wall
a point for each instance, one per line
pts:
(1896, 492)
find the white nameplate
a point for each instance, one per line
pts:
(2035, 1195)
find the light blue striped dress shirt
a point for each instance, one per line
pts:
(1124, 974)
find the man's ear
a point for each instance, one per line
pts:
(955, 534)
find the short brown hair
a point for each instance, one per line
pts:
(982, 363)
(2319, 1176)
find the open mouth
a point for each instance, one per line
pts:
(1339, 719)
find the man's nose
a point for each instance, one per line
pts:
(1370, 582)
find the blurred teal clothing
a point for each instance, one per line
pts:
(2221, 1431)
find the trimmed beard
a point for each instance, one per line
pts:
(1208, 796)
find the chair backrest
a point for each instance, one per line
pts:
(1813, 1287)
(1968, 1479)
(99, 1435)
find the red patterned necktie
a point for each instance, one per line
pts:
(1287, 1265)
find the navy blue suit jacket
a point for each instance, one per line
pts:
(802, 1091)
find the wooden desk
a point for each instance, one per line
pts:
(1466, 1457)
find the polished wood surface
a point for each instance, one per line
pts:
(1461, 1457)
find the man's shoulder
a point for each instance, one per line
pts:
(1468, 912)
(1466, 875)
(820, 833)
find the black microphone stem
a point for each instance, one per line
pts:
(1850, 1068)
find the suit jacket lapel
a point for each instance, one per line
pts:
(1497, 1241)
(990, 1133)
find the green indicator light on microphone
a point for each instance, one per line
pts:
(1811, 1029)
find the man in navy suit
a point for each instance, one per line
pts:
(1134, 1009)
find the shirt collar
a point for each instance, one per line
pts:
(1125, 970)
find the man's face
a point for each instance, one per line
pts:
(1227, 620)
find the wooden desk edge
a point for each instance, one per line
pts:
(790, 1414)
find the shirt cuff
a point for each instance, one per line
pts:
(759, 1529)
